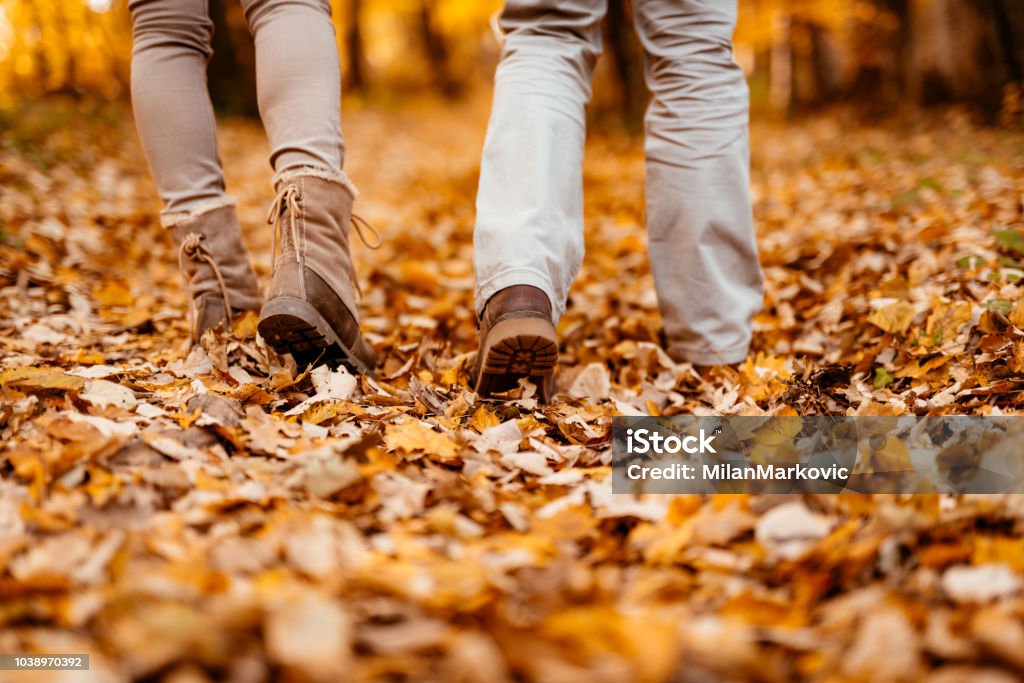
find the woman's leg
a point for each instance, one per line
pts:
(298, 79)
(171, 103)
(311, 310)
(179, 137)
(702, 247)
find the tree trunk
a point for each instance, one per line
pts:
(355, 48)
(232, 71)
(627, 58)
(69, 84)
(436, 51)
(42, 66)
(780, 78)
(966, 51)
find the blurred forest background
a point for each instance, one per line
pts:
(799, 54)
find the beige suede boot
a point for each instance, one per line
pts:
(214, 265)
(311, 309)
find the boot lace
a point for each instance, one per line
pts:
(192, 248)
(358, 222)
(287, 202)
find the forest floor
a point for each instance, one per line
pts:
(218, 515)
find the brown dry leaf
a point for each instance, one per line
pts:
(788, 530)
(327, 474)
(100, 392)
(886, 647)
(981, 584)
(592, 383)
(400, 497)
(312, 550)
(312, 636)
(1001, 633)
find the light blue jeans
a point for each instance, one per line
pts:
(529, 227)
(298, 80)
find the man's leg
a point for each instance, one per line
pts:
(702, 247)
(174, 117)
(528, 242)
(311, 310)
(529, 225)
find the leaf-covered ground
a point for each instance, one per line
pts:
(220, 515)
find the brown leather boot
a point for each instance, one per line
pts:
(215, 266)
(517, 339)
(311, 308)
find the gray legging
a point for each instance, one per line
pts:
(298, 83)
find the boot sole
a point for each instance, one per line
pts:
(294, 327)
(515, 348)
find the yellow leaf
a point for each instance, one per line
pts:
(996, 550)
(102, 486)
(570, 524)
(88, 357)
(895, 317)
(244, 325)
(40, 378)
(207, 482)
(420, 275)
(483, 418)
(946, 321)
(29, 465)
(450, 376)
(891, 455)
(41, 518)
(1017, 314)
(916, 370)
(594, 631)
(774, 441)
(113, 294)
(412, 436)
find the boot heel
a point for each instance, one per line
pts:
(519, 347)
(292, 326)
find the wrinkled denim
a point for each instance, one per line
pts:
(529, 226)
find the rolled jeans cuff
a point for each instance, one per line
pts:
(701, 354)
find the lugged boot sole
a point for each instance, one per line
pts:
(515, 348)
(294, 327)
